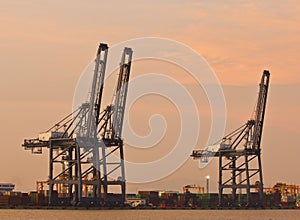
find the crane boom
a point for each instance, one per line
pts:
(83, 121)
(97, 90)
(121, 92)
(260, 109)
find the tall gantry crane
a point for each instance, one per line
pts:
(76, 145)
(239, 156)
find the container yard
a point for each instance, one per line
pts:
(280, 196)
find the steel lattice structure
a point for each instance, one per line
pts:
(80, 144)
(239, 156)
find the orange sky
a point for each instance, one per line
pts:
(44, 46)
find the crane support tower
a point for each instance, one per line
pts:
(110, 130)
(78, 144)
(239, 154)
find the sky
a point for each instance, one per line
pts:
(45, 46)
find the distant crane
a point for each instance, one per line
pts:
(78, 143)
(239, 156)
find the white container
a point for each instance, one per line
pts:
(213, 148)
(46, 136)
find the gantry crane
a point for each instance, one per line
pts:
(76, 141)
(239, 156)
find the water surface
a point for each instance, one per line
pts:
(8, 214)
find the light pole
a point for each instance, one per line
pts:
(207, 184)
